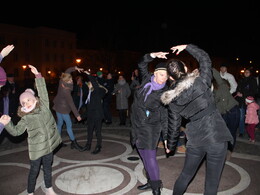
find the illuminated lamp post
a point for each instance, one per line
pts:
(78, 61)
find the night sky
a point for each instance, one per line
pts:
(228, 30)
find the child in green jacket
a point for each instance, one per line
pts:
(43, 135)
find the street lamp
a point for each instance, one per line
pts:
(78, 60)
(24, 67)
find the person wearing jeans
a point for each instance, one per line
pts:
(216, 156)
(207, 133)
(65, 118)
(46, 162)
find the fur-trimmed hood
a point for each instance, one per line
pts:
(20, 113)
(186, 83)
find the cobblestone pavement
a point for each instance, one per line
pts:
(117, 169)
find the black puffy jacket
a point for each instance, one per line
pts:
(193, 100)
(146, 130)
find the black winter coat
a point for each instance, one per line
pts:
(248, 87)
(192, 99)
(95, 106)
(146, 130)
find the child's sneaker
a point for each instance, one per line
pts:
(252, 141)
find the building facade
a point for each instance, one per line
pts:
(50, 50)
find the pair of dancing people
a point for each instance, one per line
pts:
(158, 109)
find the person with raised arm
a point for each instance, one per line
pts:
(43, 136)
(207, 134)
(149, 118)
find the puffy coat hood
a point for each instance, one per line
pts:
(186, 83)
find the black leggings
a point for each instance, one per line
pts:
(215, 159)
(46, 162)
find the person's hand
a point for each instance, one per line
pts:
(33, 69)
(239, 94)
(5, 119)
(5, 51)
(79, 118)
(159, 55)
(87, 72)
(79, 69)
(178, 48)
(165, 145)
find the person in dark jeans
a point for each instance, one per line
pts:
(247, 86)
(37, 120)
(46, 162)
(227, 106)
(206, 131)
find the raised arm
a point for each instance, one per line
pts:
(202, 57)
(5, 51)
(73, 68)
(143, 64)
(217, 76)
(41, 86)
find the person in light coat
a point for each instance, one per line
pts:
(229, 77)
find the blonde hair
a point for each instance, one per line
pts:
(65, 77)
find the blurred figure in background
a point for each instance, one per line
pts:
(109, 84)
(122, 92)
(229, 77)
(79, 94)
(247, 86)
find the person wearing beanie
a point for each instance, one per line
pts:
(5, 51)
(43, 136)
(149, 118)
(100, 78)
(251, 118)
(64, 104)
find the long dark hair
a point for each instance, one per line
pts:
(176, 69)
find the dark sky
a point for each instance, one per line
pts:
(219, 28)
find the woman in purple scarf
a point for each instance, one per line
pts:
(149, 118)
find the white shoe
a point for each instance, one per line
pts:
(50, 191)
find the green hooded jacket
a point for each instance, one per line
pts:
(43, 135)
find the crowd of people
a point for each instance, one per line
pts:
(206, 106)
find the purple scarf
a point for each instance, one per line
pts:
(153, 86)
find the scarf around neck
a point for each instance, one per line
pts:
(152, 86)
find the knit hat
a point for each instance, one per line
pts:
(160, 66)
(250, 99)
(2, 76)
(28, 93)
(99, 73)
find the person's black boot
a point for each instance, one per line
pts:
(156, 186)
(87, 147)
(75, 145)
(97, 150)
(63, 144)
(145, 186)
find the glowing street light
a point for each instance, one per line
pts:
(78, 60)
